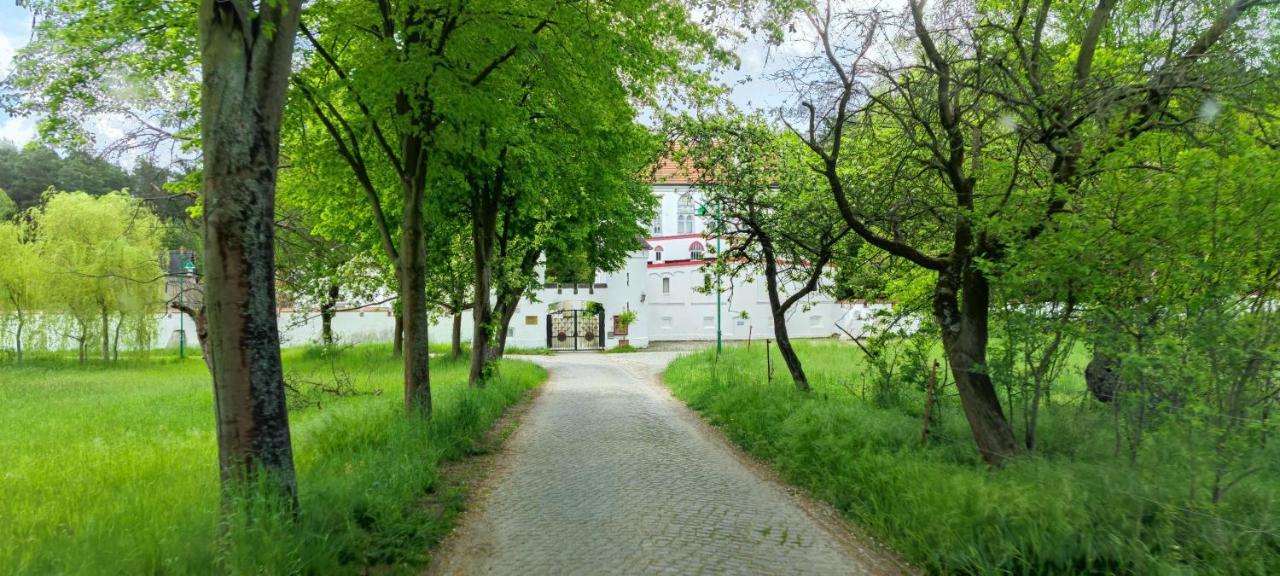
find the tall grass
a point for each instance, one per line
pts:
(113, 470)
(1072, 508)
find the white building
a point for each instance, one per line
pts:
(671, 287)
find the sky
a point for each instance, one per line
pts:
(15, 30)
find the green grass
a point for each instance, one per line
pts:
(1073, 508)
(113, 470)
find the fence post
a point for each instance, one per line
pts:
(768, 360)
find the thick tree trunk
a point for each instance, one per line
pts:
(964, 339)
(456, 340)
(397, 338)
(246, 52)
(326, 315)
(483, 230)
(413, 298)
(779, 313)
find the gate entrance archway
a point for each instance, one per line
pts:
(573, 329)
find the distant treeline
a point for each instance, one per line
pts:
(27, 173)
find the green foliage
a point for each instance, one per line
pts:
(110, 471)
(101, 255)
(1075, 508)
(7, 206)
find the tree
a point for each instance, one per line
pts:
(451, 274)
(101, 256)
(22, 279)
(422, 97)
(246, 51)
(773, 210)
(965, 189)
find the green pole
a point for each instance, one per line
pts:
(182, 321)
(188, 268)
(719, 338)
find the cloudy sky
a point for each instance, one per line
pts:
(15, 29)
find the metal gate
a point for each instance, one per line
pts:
(575, 330)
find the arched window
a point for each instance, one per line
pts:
(685, 214)
(657, 253)
(655, 226)
(695, 251)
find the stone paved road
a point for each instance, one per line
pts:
(608, 474)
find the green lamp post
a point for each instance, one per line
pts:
(189, 268)
(702, 211)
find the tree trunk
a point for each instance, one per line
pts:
(326, 315)
(779, 313)
(18, 337)
(456, 340)
(245, 57)
(202, 336)
(115, 341)
(397, 339)
(106, 337)
(483, 230)
(413, 298)
(82, 343)
(964, 339)
(505, 313)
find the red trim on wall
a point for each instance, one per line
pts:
(679, 263)
(678, 237)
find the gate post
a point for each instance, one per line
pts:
(575, 328)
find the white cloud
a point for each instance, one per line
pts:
(18, 130)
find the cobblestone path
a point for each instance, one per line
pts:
(608, 474)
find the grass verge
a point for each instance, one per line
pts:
(113, 469)
(1073, 508)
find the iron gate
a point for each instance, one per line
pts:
(575, 330)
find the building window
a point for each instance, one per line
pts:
(655, 227)
(666, 322)
(708, 322)
(685, 215)
(695, 251)
(657, 253)
(666, 285)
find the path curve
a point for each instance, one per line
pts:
(608, 474)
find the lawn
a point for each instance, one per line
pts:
(112, 470)
(1074, 507)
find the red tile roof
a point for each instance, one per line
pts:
(667, 171)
